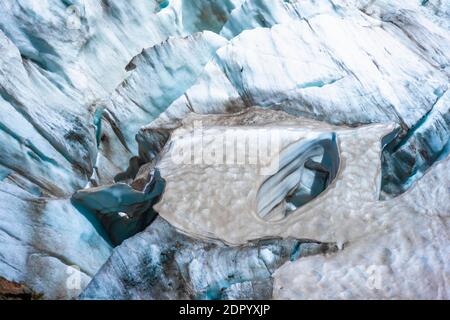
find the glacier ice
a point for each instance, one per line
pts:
(123, 209)
(162, 263)
(306, 168)
(94, 93)
(38, 235)
(345, 79)
(219, 210)
(169, 69)
(53, 73)
(427, 142)
(404, 256)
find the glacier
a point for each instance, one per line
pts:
(401, 258)
(162, 263)
(95, 96)
(219, 211)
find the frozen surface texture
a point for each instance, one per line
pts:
(91, 92)
(404, 255)
(60, 62)
(161, 263)
(44, 242)
(224, 197)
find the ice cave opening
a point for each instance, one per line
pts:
(306, 169)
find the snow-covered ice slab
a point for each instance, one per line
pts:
(405, 254)
(220, 200)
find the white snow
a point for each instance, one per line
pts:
(220, 200)
(72, 103)
(403, 254)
